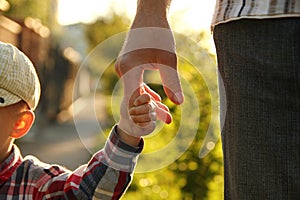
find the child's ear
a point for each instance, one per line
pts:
(23, 125)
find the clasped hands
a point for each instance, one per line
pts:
(148, 48)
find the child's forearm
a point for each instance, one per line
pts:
(130, 140)
(106, 176)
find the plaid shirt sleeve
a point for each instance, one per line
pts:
(106, 176)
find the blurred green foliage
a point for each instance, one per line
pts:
(104, 28)
(42, 10)
(97, 33)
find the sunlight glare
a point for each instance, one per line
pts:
(188, 14)
(74, 11)
(194, 14)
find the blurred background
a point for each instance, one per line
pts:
(60, 37)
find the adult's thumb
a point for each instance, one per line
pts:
(171, 83)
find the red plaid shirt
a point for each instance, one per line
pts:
(106, 176)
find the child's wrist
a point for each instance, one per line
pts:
(128, 139)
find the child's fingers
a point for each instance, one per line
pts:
(143, 124)
(142, 109)
(142, 99)
(143, 114)
(145, 118)
(161, 110)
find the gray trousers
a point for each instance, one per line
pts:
(259, 62)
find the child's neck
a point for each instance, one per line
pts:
(5, 150)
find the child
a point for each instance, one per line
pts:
(108, 173)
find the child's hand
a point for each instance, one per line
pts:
(142, 113)
(139, 118)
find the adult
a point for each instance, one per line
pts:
(258, 51)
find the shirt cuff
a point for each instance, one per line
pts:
(120, 155)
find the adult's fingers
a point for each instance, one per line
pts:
(162, 113)
(152, 93)
(162, 110)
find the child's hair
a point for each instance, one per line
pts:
(22, 105)
(18, 78)
(17, 108)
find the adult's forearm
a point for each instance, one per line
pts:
(157, 6)
(151, 13)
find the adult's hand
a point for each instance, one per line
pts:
(150, 44)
